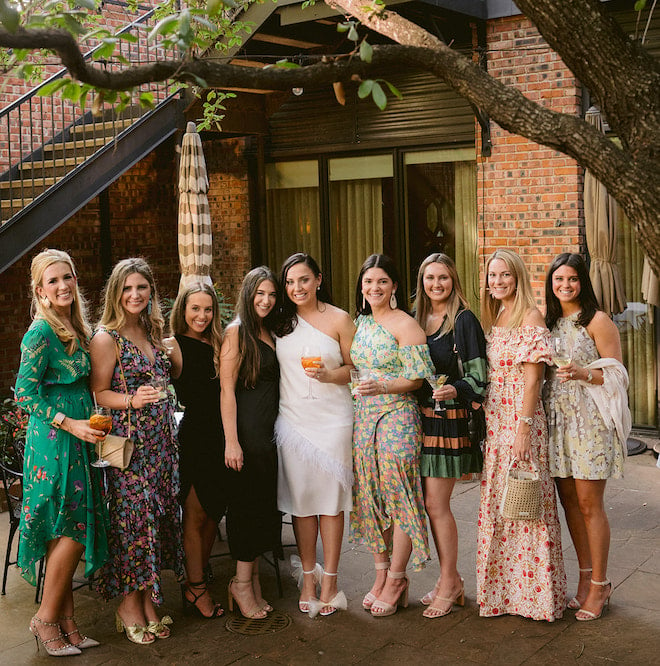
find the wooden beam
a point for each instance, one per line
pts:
(284, 41)
(296, 14)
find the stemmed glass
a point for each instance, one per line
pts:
(310, 358)
(101, 419)
(436, 381)
(562, 352)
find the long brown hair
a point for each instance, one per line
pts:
(249, 323)
(39, 308)
(455, 301)
(114, 317)
(213, 332)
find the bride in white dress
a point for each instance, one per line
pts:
(314, 435)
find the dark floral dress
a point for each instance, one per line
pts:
(61, 492)
(145, 525)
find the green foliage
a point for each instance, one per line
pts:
(374, 88)
(13, 427)
(213, 109)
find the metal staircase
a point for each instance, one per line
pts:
(57, 157)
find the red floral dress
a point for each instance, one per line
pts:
(520, 569)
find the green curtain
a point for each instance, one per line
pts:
(465, 221)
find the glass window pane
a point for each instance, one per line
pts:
(292, 211)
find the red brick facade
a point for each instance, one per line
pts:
(530, 197)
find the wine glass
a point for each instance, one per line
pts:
(562, 352)
(358, 376)
(436, 381)
(310, 358)
(100, 419)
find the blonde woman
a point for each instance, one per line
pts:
(520, 570)
(195, 349)
(63, 512)
(458, 351)
(128, 356)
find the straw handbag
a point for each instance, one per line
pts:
(115, 449)
(522, 493)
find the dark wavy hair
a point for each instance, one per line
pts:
(385, 263)
(587, 297)
(287, 319)
(249, 323)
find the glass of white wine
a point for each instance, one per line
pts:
(436, 381)
(562, 352)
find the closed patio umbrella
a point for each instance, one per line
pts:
(194, 229)
(600, 214)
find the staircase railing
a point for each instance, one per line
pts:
(45, 138)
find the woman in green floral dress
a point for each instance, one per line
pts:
(388, 509)
(63, 513)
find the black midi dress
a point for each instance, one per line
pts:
(253, 521)
(201, 438)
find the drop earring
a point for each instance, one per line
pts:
(45, 302)
(364, 303)
(393, 301)
(149, 306)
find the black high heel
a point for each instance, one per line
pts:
(190, 607)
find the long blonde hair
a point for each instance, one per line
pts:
(456, 300)
(39, 308)
(213, 332)
(114, 317)
(523, 300)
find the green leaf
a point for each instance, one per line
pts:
(394, 90)
(285, 64)
(105, 49)
(52, 87)
(146, 99)
(366, 51)
(83, 97)
(343, 27)
(204, 22)
(71, 91)
(128, 37)
(353, 34)
(86, 4)
(164, 27)
(639, 5)
(365, 88)
(9, 16)
(378, 94)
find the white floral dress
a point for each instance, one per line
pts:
(520, 569)
(580, 443)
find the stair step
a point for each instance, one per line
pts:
(102, 128)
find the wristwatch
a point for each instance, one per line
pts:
(589, 376)
(526, 419)
(57, 421)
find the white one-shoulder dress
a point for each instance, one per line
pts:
(314, 437)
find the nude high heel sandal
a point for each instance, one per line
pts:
(433, 611)
(65, 650)
(574, 604)
(86, 641)
(381, 609)
(255, 613)
(585, 615)
(369, 597)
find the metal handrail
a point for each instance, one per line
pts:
(46, 138)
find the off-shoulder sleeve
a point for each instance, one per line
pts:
(533, 345)
(416, 362)
(35, 353)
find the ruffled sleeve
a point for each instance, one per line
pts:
(532, 345)
(35, 354)
(416, 362)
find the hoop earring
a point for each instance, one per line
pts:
(393, 301)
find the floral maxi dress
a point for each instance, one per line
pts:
(145, 524)
(387, 441)
(61, 492)
(520, 570)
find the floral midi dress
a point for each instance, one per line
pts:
(145, 525)
(62, 494)
(581, 445)
(387, 441)
(520, 569)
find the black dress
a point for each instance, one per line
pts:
(201, 438)
(253, 521)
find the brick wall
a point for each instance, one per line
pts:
(143, 210)
(530, 197)
(229, 203)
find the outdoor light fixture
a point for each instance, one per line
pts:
(297, 91)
